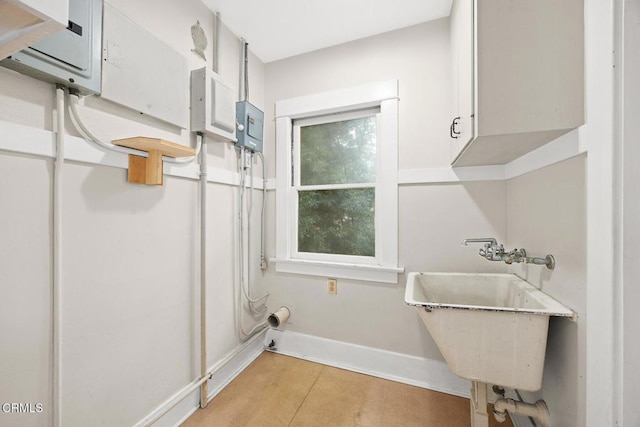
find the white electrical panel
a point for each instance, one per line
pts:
(141, 72)
(213, 106)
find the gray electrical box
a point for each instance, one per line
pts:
(252, 119)
(71, 56)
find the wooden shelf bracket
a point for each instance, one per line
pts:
(149, 170)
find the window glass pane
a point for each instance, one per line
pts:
(341, 152)
(337, 221)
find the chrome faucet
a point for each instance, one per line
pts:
(492, 251)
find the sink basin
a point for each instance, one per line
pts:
(490, 328)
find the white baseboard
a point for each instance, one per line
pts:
(417, 371)
(220, 380)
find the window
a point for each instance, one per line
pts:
(336, 192)
(334, 170)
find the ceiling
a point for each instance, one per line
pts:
(277, 29)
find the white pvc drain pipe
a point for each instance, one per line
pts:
(279, 317)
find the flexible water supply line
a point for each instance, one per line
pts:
(57, 260)
(76, 119)
(203, 270)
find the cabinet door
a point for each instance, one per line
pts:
(454, 148)
(462, 69)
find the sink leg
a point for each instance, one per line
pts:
(478, 405)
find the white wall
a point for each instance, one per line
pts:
(433, 218)
(128, 285)
(417, 56)
(25, 306)
(584, 376)
(547, 215)
(130, 253)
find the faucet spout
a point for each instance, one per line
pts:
(489, 240)
(491, 250)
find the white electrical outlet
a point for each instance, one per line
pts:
(332, 286)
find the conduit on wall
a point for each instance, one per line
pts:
(203, 271)
(56, 353)
(245, 277)
(244, 257)
(76, 119)
(160, 411)
(56, 359)
(263, 256)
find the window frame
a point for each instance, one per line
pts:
(383, 267)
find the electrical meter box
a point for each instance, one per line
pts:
(212, 106)
(252, 119)
(71, 56)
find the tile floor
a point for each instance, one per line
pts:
(277, 390)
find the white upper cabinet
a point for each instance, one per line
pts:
(518, 73)
(462, 52)
(24, 22)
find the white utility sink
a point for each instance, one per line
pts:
(490, 328)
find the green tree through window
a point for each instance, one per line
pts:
(336, 196)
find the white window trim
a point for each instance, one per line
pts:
(382, 95)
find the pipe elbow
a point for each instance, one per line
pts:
(502, 405)
(537, 410)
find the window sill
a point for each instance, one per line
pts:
(370, 273)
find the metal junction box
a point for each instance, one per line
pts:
(252, 119)
(70, 56)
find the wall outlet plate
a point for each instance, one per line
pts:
(332, 286)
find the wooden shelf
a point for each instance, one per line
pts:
(149, 170)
